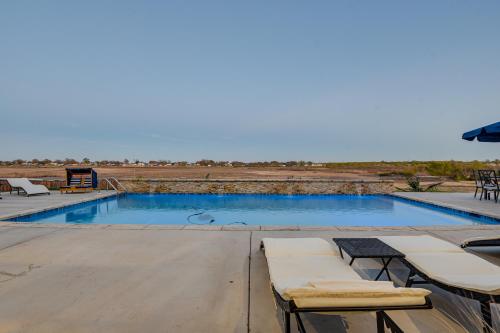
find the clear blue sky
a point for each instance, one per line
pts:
(248, 80)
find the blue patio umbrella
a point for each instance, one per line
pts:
(490, 133)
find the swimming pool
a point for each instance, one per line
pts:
(256, 209)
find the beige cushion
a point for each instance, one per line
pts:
(332, 302)
(277, 247)
(354, 293)
(447, 263)
(418, 244)
(297, 272)
(462, 270)
(310, 272)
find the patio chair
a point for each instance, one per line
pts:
(435, 261)
(23, 184)
(308, 275)
(490, 183)
(481, 241)
(479, 183)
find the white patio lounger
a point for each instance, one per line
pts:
(449, 267)
(27, 187)
(481, 241)
(308, 275)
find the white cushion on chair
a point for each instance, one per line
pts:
(277, 247)
(418, 244)
(447, 263)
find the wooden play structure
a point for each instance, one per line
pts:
(80, 180)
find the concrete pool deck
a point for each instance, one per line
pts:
(14, 205)
(102, 278)
(459, 201)
(162, 278)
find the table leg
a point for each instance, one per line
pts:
(384, 269)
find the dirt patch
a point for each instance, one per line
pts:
(195, 173)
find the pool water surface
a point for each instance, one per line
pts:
(256, 209)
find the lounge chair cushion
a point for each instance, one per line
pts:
(310, 272)
(278, 247)
(354, 293)
(447, 263)
(462, 270)
(298, 272)
(27, 186)
(419, 244)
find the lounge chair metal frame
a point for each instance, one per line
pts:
(484, 299)
(16, 188)
(481, 242)
(383, 319)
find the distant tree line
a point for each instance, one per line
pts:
(204, 162)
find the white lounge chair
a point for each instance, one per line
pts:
(308, 275)
(26, 186)
(449, 267)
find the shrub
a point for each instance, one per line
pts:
(414, 186)
(454, 170)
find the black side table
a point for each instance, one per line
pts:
(368, 248)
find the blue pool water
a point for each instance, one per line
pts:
(249, 209)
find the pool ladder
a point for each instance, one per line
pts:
(115, 184)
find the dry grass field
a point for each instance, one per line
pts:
(197, 172)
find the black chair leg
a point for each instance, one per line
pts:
(409, 280)
(392, 325)
(475, 193)
(486, 313)
(380, 322)
(300, 324)
(384, 320)
(287, 322)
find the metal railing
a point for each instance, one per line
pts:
(118, 183)
(115, 184)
